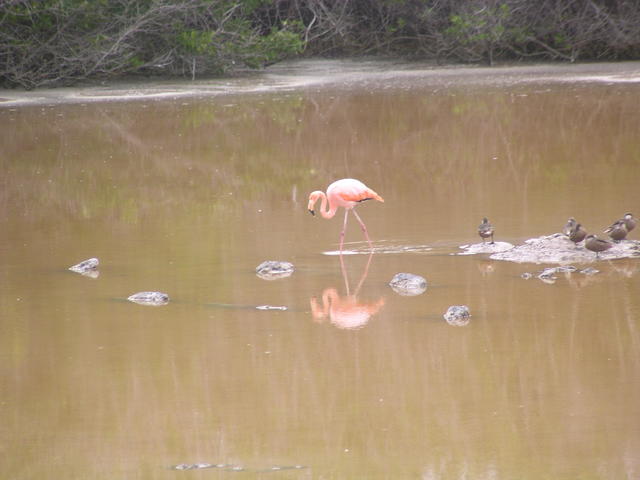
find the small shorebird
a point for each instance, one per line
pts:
(618, 231)
(577, 234)
(596, 244)
(485, 230)
(571, 223)
(629, 221)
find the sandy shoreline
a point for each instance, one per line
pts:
(318, 74)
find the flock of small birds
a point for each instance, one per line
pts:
(618, 231)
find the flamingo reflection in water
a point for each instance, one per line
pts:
(346, 311)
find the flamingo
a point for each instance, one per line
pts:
(346, 193)
(345, 311)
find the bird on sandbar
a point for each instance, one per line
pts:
(596, 244)
(485, 230)
(617, 231)
(577, 234)
(629, 221)
(346, 193)
(571, 223)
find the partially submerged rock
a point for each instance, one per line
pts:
(548, 275)
(408, 284)
(486, 247)
(202, 466)
(271, 307)
(87, 267)
(589, 271)
(149, 298)
(193, 466)
(457, 315)
(274, 269)
(234, 468)
(557, 248)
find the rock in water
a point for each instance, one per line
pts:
(408, 284)
(558, 249)
(477, 248)
(589, 271)
(548, 275)
(274, 269)
(271, 307)
(87, 267)
(457, 315)
(149, 298)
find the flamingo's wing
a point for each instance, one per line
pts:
(360, 195)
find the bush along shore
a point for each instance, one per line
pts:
(58, 42)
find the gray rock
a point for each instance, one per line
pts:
(476, 248)
(271, 307)
(87, 267)
(274, 269)
(548, 273)
(149, 298)
(548, 280)
(566, 269)
(558, 249)
(589, 271)
(193, 466)
(457, 315)
(408, 284)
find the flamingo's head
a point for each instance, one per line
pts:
(313, 198)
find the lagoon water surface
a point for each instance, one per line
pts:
(187, 193)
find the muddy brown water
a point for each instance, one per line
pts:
(188, 194)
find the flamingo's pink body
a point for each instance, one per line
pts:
(345, 193)
(343, 312)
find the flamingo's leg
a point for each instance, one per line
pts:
(344, 229)
(364, 274)
(344, 274)
(364, 229)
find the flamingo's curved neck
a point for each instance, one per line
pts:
(331, 211)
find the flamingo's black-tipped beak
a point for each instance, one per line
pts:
(312, 212)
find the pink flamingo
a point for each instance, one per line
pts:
(345, 311)
(346, 193)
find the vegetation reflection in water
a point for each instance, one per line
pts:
(188, 198)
